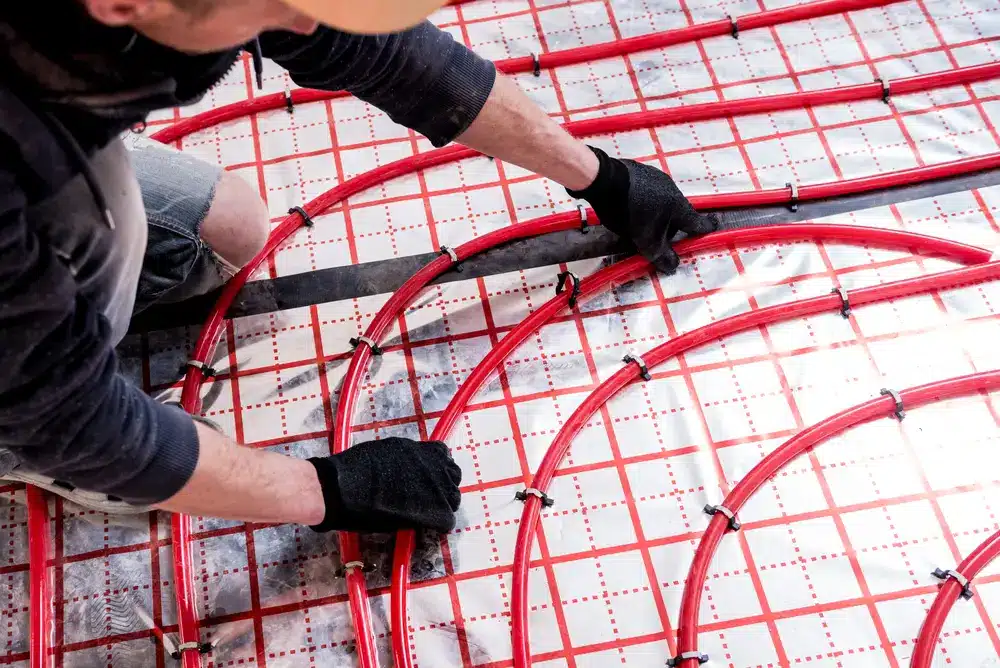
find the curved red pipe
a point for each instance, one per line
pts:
(573, 56)
(947, 596)
(680, 344)
(616, 274)
(187, 618)
(769, 466)
(40, 591)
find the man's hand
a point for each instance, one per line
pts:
(644, 205)
(379, 486)
(387, 485)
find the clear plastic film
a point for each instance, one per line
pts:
(835, 557)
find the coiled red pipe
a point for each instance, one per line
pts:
(573, 56)
(687, 641)
(187, 618)
(769, 466)
(947, 596)
(618, 273)
(40, 593)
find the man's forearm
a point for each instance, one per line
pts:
(514, 129)
(238, 483)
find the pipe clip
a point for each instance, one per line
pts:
(584, 223)
(200, 647)
(564, 277)
(967, 592)
(358, 340)
(450, 252)
(206, 371)
(898, 412)
(734, 522)
(531, 491)
(734, 26)
(352, 566)
(688, 656)
(845, 302)
(643, 370)
(793, 196)
(886, 88)
(306, 218)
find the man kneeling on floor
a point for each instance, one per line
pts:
(91, 233)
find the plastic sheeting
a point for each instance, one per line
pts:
(833, 567)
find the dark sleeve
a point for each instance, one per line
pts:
(65, 410)
(422, 78)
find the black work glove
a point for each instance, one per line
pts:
(388, 485)
(644, 205)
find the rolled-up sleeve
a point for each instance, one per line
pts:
(422, 78)
(65, 410)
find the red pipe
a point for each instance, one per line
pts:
(948, 595)
(40, 590)
(210, 332)
(187, 619)
(573, 56)
(676, 346)
(616, 274)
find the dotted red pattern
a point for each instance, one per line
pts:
(832, 560)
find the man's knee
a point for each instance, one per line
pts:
(236, 225)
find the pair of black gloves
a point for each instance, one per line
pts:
(398, 483)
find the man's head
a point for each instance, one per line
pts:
(199, 26)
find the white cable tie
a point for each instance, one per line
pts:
(965, 583)
(899, 410)
(886, 88)
(643, 369)
(358, 340)
(793, 202)
(206, 370)
(351, 565)
(531, 491)
(734, 522)
(450, 252)
(687, 656)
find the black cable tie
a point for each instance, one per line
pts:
(793, 197)
(531, 491)
(845, 302)
(943, 575)
(643, 371)
(206, 371)
(201, 648)
(358, 340)
(734, 26)
(886, 88)
(289, 103)
(584, 223)
(687, 656)
(138, 128)
(899, 412)
(536, 65)
(450, 252)
(561, 285)
(734, 522)
(306, 219)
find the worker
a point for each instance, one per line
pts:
(91, 233)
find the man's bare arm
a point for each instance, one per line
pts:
(396, 483)
(514, 129)
(239, 483)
